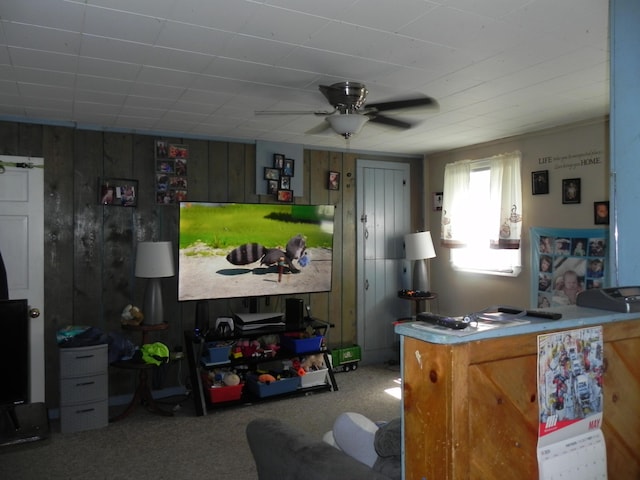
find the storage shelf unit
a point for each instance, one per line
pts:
(194, 349)
(84, 388)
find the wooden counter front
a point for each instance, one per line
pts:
(471, 408)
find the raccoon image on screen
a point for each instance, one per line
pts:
(230, 250)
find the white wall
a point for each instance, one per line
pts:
(573, 151)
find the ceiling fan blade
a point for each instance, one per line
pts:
(391, 122)
(293, 112)
(319, 129)
(402, 104)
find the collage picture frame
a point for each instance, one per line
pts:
(279, 178)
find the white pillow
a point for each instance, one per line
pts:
(354, 434)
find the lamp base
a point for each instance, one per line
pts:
(420, 276)
(153, 308)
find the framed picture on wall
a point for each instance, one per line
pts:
(601, 213)
(540, 182)
(272, 187)
(437, 201)
(271, 173)
(121, 192)
(571, 190)
(288, 167)
(278, 161)
(333, 181)
(285, 196)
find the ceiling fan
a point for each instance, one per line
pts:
(350, 113)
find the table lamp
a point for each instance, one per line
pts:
(154, 260)
(419, 247)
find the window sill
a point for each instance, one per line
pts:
(502, 272)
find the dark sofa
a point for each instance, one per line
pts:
(284, 452)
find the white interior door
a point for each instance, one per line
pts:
(22, 247)
(384, 206)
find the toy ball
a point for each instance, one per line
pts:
(266, 378)
(231, 379)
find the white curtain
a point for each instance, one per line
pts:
(454, 201)
(505, 211)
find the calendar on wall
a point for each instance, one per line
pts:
(570, 400)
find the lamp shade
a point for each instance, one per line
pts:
(154, 260)
(347, 124)
(418, 246)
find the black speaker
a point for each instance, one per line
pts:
(294, 312)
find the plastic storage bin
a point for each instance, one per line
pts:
(225, 393)
(216, 353)
(301, 345)
(314, 378)
(278, 387)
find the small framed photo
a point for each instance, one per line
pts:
(571, 190)
(285, 195)
(121, 192)
(272, 187)
(178, 151)
(437, 201)
(288, 167)
(278, 161)
(285, 182)
(162, 149)
(334, 181)
(540, 182)
(601, 213)
(271, 173)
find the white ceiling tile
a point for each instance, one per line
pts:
(152, 8)
(107, 68)
(121, 25)
(103, 85)
(382, 14)
(52, 13)
(281, 25)
(193, 38)
(112, 49)
(108, 98)
(24, 57)
(41, 38)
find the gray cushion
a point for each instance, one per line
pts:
(388, 445)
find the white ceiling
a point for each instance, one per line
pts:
(200, 68)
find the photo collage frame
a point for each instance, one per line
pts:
(171, 172)
(278, 178)
(566, 262)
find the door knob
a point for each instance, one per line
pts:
(34, 312)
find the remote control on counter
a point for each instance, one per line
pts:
(456, 323)
(543, 314)
(532, 313)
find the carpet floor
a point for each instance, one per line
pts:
(146, 446)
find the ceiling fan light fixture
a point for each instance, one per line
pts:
(347, 124)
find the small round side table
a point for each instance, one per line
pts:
(142, 395)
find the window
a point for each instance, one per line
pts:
(481, 217)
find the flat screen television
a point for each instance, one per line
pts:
(232, 250)
(14, 352)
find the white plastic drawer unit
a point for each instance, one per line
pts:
(84, 388)
(83, 361)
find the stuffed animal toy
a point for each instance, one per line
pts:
(231, 379)
(266, 378)
(312, 363)
(131, 315)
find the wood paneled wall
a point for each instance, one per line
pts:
(90, 248)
